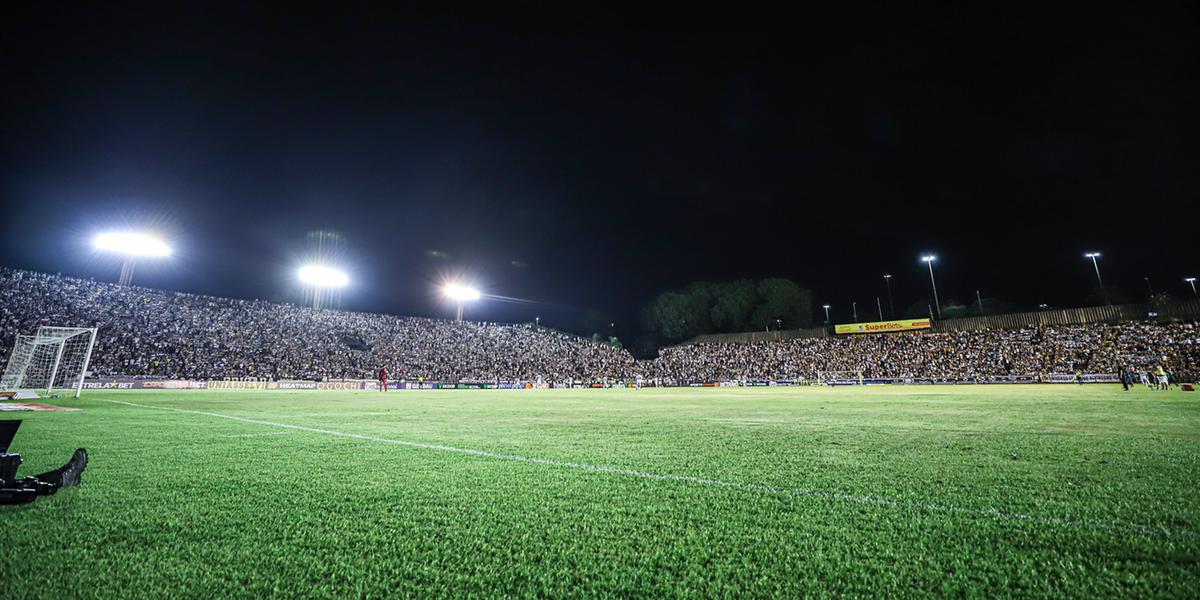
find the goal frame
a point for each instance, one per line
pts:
(825, 377)
(18, 365)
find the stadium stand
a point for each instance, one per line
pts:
(153, 333)
(986, 355)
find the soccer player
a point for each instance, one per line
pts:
(383, 379)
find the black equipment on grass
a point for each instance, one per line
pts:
(27, 489)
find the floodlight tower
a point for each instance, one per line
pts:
(1192, 281)
(826, 307)
(887, 279)
(322, 280)
(928, 259)
(131, 246)
(1094, 256)
(327, 250)
(460, 294)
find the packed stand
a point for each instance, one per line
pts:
(154, 333)
(984, 355)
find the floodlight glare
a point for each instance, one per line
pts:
(323, 277)
(460, 293)
(929, 258)
(1190, 279)
(1092, 255)
(131, 244)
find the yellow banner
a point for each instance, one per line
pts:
(883, 326)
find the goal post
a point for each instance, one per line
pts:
(840, 377)
(54, 357)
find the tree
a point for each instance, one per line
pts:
(785, 300)
(700, 298)
(733, 304)
(706, 307)
(666, 316)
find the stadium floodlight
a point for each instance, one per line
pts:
(323, 277)
(130, 245)
(1094, 256)
(826, 307)
(928, 259)
(323, 281)
(1192, 281)
(460, 294)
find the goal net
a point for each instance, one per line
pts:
(53, 358)
(840, 377)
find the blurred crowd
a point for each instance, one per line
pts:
(154, 333)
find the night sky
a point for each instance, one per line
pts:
(590, 166)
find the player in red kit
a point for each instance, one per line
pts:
(383, 379)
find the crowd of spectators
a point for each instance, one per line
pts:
(153, 333)
(982, 355)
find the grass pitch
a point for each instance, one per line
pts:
(983, 490)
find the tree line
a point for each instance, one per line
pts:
(728, 307)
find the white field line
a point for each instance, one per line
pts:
(990, 513)
(249, 435)
(342, 415)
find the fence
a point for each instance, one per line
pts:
(1118, 313)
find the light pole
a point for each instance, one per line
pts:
(879, 305)
(1192, 280)
(887, 279)
(1095, 263)
(854, 310)
(537, 321)
(980, 299)
(826, 307)
(929, 261)
(1148, 288)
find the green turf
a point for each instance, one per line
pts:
(1099, 490)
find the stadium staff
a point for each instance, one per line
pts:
(383, 379)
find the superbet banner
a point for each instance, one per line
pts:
(883, 326)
